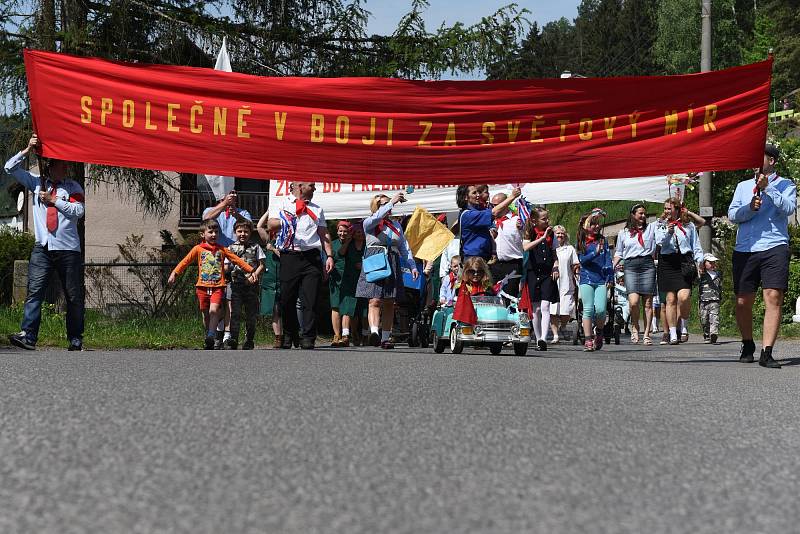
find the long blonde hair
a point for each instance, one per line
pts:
(374, 204)
(479, 264)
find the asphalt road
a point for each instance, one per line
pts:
(622, 440)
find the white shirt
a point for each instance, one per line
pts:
(509, 238)
(305, 234)
(453, 248)
(628, 245)
(567, 260)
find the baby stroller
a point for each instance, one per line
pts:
(616, 322)
(577, 330)
(412, 318)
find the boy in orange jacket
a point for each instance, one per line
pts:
(210, 286)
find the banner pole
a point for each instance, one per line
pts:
(706, 208)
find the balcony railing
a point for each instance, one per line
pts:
(194, 202)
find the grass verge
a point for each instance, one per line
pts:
(103, 332)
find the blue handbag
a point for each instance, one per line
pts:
(377, 266)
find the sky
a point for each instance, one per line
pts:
(386, 13)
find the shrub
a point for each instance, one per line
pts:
(14, 245)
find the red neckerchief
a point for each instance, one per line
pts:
(679, 224)
(301, 208)
(452, 280)
(228, 212)
(639, 232)
(386, 223)
(474, 290)
(589, 239)
(540, 233)
(755, 188)
(499, 221)
(209, 247)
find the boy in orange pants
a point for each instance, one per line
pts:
(210, 285)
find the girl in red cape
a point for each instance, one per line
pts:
(475, 282)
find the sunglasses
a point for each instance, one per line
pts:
(473, 272)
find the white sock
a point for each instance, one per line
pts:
(673, 332)
(374, 329)
(227, 335)
(385, 335)
(345, 331)
(536, 320)
(684, 330)
(545, 317)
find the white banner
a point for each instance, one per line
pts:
(351, 201)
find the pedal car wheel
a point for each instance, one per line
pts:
(424, 342)
(456, 346)
(413, 337)
(520, 349)
(496, 348)
(439, 344)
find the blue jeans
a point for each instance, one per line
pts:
(68, 265)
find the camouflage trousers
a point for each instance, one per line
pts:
(709, 317)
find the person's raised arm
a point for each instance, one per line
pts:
(527, 244)
(695, 218)
(14, 165)
(741, 207)
(74, 207)
(213, 212)
(507, 202)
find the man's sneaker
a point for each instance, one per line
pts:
(706, 338)
(541, 345)
(209, 343)
(664, 339)
(75, 344)
(248, 344)
(746, 354)
(21, 340)
(713, 339)
(218, 344)
(231, 344)
(766, 359)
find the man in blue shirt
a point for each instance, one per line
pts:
(227, 214)
(761, 207)
(58, 204)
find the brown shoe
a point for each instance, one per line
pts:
(344, 341)
(278, 341)
(337, 341)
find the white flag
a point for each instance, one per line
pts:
(220, 185)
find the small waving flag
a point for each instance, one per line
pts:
(285, 237)
(523, 209)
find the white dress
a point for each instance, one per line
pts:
(567, 260)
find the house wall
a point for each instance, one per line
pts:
(110, 219)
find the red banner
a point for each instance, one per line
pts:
(389, 131)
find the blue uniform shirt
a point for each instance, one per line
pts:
(679, 242)
(476, 238)
(227, 233)
(769, 226)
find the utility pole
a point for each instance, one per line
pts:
(706, 209)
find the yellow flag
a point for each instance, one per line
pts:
(427, 238)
